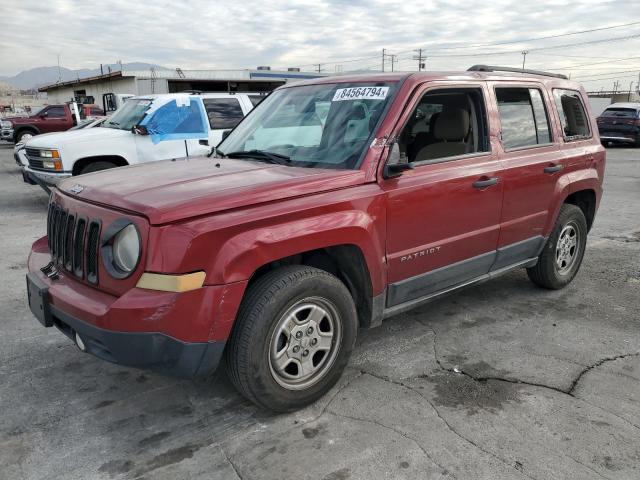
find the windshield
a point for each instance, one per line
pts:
(129, 115)
(324, 126)
(620, 112)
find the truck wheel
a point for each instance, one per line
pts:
(562, 255)
(24, 136)
(97, 166)
(293, 336)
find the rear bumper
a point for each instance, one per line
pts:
(618, 139)
(153, 351)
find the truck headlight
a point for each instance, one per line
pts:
(49, 154)
(121, 248)
(126, 249)
(52, 164)
(6, 124)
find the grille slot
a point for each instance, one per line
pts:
(78, 247)
(93, 237)
(60, 235)
(67, 254)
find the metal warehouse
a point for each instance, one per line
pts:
(144, 82)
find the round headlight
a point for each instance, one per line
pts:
(126, 249)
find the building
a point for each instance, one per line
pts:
(144, 82)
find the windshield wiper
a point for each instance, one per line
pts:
(269, 157)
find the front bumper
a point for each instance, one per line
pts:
(6, 134)
(180, 334)
(153, 351)
(48, 178)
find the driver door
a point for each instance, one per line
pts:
(443, 216)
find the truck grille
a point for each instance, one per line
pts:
(33, 155)
(73, 242)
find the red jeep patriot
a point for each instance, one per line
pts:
(336, 203)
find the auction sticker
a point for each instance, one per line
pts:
(361, 93)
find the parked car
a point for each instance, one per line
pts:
(163, 133)
(20, 155)
(274, 252)
(619, 124)
(52, 118)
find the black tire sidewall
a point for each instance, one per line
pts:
(263, 387)
(91, 167)
(568, 213)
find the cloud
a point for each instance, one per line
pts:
(199, 34)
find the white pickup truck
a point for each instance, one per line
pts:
(145, 129)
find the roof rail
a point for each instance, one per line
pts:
(491, 68)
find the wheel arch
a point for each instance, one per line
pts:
(22, 128)
(79, 164)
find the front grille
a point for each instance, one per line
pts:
(33, 155)
(73, 242)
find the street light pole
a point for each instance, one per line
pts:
(524, 57)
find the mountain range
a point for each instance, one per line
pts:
(39, 76)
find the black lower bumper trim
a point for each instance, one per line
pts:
(153, 351)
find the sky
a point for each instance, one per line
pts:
(341, 35)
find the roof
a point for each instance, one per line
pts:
(191, 75)
(635, 105)
(420, 77)
(95, 78)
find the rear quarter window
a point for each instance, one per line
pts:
(573, 116)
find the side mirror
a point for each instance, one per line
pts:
(225, 134)
(139, 130)
(395, 166)
(43, 115)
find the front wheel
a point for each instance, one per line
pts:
(97, 167)
(562, 255)
(293, 336)
(24, 136)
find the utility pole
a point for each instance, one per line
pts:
(524, 57)
(319, 65)
(420, 59)
(383, 55)
(616, 84)
(393, 60)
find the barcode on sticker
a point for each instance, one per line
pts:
(361, 93)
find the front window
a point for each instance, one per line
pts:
(129, 115)
(323, 126)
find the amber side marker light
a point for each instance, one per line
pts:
(171, 283)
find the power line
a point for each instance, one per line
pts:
(510, 42)
(609, 73)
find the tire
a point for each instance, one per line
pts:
(265, 355)
(561, 256)
(97, 166)
(24, 136)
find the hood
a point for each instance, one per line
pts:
(57, 139)
(169, 191)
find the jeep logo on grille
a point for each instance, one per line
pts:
(76, 189)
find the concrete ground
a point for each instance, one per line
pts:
(548, 384)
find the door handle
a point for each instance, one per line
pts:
(553, 168)
(485, 183)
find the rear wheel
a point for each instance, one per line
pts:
(293, 336)
(97, 166)
(562, 255)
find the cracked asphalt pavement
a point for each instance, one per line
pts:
(500, 381)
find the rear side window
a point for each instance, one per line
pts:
(223, 113)
(523, 117)
(573, 116)
(55, 112)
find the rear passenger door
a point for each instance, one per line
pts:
(443, 215)
(224, 114)
(534, 165)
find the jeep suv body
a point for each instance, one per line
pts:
(334, 204)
